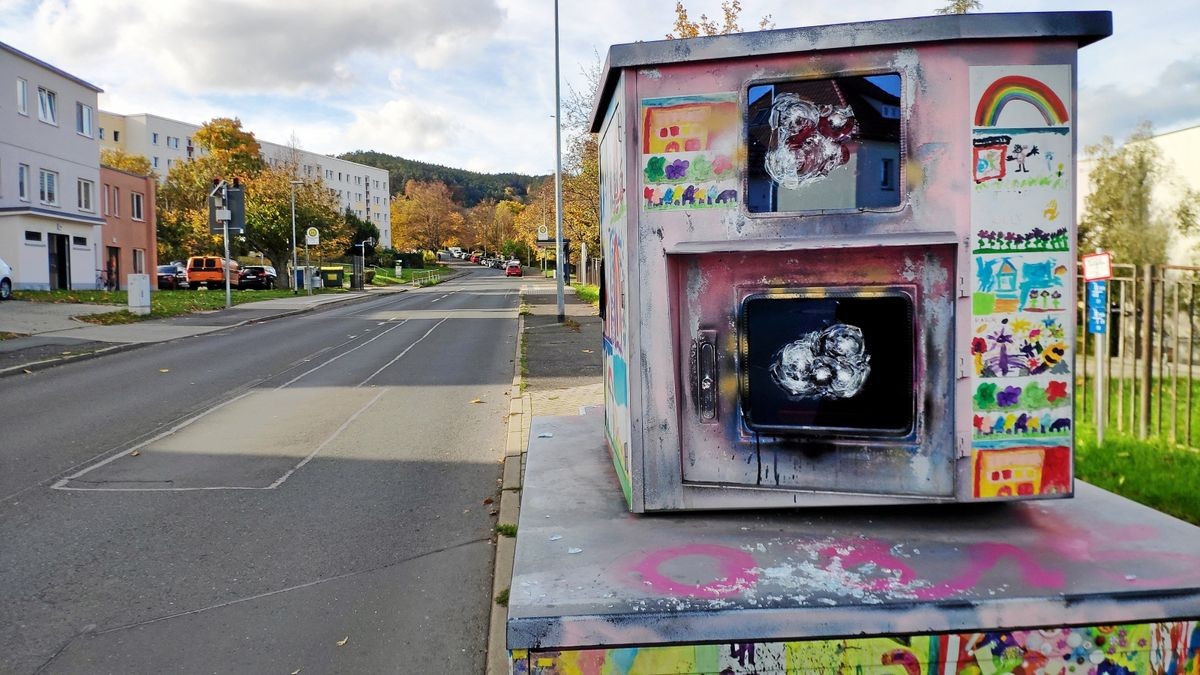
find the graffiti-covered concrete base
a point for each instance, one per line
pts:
(1093, 584)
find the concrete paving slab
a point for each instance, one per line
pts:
(135, 333)
(32, 318)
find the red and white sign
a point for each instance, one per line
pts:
(1097, 266)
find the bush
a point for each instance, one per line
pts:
(409, 260)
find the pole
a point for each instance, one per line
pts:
(307, 268)
(295, 290)
(558, 225)
(1147, 342)
(225, 263)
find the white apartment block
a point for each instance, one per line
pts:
(50, 215)
(363, 189)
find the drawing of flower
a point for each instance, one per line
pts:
(1055, 390)
(1009, 397)
(978, 346)
(1020, 325)
(677, 170)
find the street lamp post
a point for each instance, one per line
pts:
(295, 288)
(558, 220)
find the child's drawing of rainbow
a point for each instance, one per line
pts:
(1020, 88)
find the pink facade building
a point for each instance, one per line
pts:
(128, 242)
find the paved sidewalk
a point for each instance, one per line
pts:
(563, 374)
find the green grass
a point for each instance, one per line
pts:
(1149, 472)
(502, 598)
(588, 293)
(506, 529)
(1171, 424)
(163, 304)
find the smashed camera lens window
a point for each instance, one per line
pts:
(824, 145)
(839, 361)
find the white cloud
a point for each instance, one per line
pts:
(265, 45)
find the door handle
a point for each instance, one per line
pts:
(704, 374)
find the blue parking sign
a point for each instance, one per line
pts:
(1097, 307)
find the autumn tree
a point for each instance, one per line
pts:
(116, 158)
(1120, 214)
(961, 7)
(231, 152)
(269, 217)
(730, 11)
(425, 216)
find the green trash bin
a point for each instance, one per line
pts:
(332, 277)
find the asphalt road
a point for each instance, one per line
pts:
(300, 494)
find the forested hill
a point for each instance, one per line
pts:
(469, 188)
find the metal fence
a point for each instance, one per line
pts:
(1142, 373)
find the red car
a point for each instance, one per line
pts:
(512, 269)
(474, 257)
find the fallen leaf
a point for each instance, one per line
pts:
(494, 512)
(466, 510)
(27, 371)
(164, 370)
(343, 641)
(65, 353)
(135, 453)
(476, 400)
(489, 500)
(587, 351)
(297, 671)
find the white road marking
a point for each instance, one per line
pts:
(401, 354)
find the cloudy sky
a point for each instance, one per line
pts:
(470, 83)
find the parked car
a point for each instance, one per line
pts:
(209, 271)
(172, 277)
(5, 280)
(513, 268)
(256, 276)
(475, 257)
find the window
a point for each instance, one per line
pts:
(858, 127)
(135, 205)
(32, 236)
(79, 241)
(101, 131)
(104, 197)
(116, 136)
(47, 106)
(22, 96)
(116, 202)
(85, 195)
(83, 120)
(49, 187)
(139, 261)
(156, 162)
(154, 138)
(23, 182)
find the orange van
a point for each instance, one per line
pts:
(209, 271)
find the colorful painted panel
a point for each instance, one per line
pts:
(688, 148)
(616, 332)
(1022, 230)
(1147, 649)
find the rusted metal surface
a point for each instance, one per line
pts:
(590, 574)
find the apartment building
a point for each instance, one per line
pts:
(129, 238)
(363, 189)
(50, 222)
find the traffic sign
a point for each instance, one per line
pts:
(543, 233)
(1097, 266)
(1097, 307)
(312, 236)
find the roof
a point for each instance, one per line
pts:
(36, 61)
(1084, 27)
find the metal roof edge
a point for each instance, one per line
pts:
(1086, 26)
